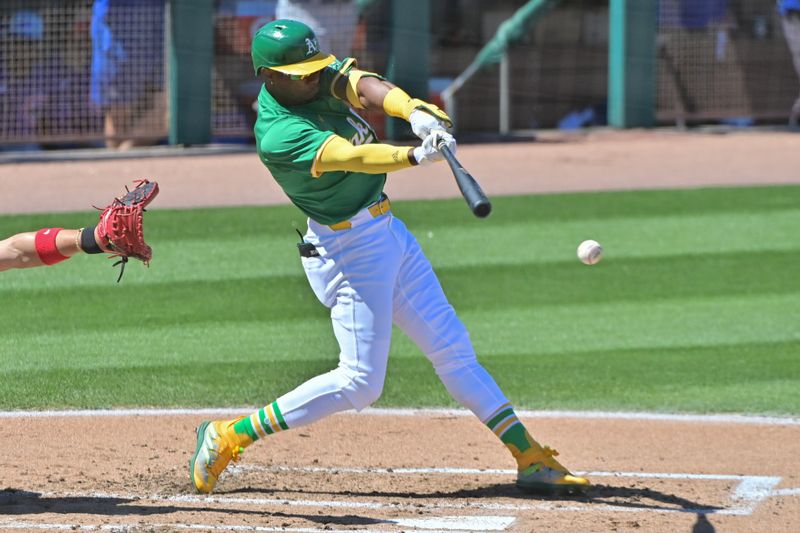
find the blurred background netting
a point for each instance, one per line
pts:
(45, 62)
(557, 70)
(81, 71)
(96, 72)
(235, 86)
(721, 59)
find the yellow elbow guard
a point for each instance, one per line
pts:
(352, 87)
(338, 154)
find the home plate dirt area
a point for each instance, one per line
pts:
(390, 471)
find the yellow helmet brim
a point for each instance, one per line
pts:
(308, 66)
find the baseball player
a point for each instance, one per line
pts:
(118, 232)
(360, 259)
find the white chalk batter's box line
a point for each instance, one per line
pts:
(447, 524)
(450, 524)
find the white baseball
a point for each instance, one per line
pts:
(590, 252)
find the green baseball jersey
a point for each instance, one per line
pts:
(289, 137)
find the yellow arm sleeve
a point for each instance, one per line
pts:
(398, 103)
(336, 153)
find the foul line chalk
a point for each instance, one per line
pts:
(590, 415)
(484, 523)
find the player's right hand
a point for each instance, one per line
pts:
(429, 151)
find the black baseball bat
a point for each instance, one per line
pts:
(477, 201)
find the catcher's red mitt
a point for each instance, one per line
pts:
(119, 231)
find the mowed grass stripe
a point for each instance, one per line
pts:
(750, 377)
(722, 321)
(482, 288)
(179, 385)
(526, 336)
(519, 242)
(228, 222)
(622, 238)
(533, 331)
(275, 259)
(616, 204)
(251, 256)
(256, 341)
(616, 280)
(742, 378)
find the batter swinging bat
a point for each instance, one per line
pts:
(477, 201)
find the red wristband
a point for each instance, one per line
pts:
(46, 246)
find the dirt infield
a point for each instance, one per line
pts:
(425, 472)
(387, 473)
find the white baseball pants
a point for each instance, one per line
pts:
(371, 276)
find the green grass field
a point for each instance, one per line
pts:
(695, 307)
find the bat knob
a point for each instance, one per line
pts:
(482, 209)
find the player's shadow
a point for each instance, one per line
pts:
(703, 525)
(627, 497)
(20, 502)
(645, 499)
(632, 497)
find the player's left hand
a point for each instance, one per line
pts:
(427, 118)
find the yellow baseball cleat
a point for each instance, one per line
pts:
(214, 452)
(546, 475)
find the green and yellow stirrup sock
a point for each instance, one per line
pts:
(505, 424)
(263, 422)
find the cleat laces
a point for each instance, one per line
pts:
(549, 452)
(217, 467)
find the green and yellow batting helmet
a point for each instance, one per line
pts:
(288, 46)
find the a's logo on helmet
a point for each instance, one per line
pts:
(313, 47)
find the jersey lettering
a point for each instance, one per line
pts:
(363, 133)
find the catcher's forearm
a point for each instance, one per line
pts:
(119, 232)
(37, 248)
